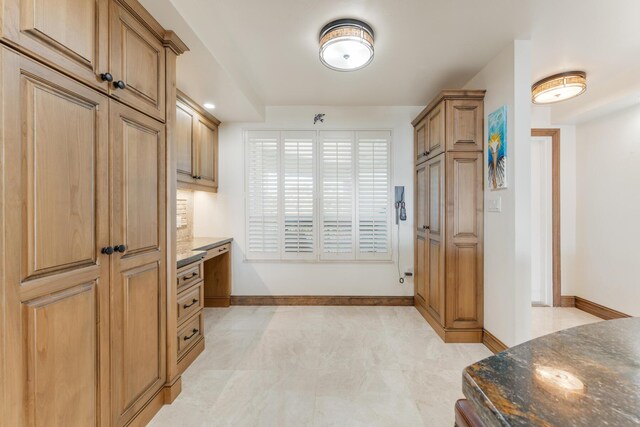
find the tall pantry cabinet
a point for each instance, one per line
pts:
(449, 199)
(84, 130)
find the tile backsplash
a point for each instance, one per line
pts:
(184, 215)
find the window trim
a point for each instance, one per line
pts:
(317, 258)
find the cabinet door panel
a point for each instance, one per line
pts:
(185, 142)
(138, 294)
(207, 154)
(435, 237)
(421, 290)
(420, 136)
(436, 131)
(55, 292)
(422, 202)
(465, 130)
(464, 247)
(138, 59)
(70, 34)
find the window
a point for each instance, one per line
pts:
(318, 195)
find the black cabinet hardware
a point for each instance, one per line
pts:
(107, 250)
(193, 334)
(120, 248)
(189, 305)
(106, 77)
(119, 84)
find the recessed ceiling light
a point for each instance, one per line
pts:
(209, 106)
(559, 87)
(346, 45)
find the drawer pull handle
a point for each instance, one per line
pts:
(189, 305)
(190, 276)
(221, 250)
(193, 334)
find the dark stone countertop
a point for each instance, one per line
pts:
(583, 376)
(190, 251)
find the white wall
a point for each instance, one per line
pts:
(608, 211)
(541, 118)
(223, 214)
(507, 247)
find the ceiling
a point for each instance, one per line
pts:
(247, 54)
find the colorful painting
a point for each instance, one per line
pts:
(497, 145)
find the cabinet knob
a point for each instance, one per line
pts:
(108, 250)
(106, 77)
(425, 227)
(120, 248)
(194, 176)
(119, 84)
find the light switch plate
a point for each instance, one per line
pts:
(495, 204)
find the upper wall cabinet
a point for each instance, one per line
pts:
(136, 61)
(197, 146)
(69, 34)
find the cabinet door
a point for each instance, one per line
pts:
(435, 238)
(465, 126)
(55, 289)
(436, 131)
(464, 240)
(138, 340)
(421, 214)
(69, 34)
(420, 137)
(420, 270)
(138, 59)
(207, 154)
(185, 134)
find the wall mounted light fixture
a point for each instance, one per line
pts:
(346, 45)
(559, 87)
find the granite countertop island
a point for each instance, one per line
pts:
(190, 251)
(584, 376)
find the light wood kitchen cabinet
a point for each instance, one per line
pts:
(420, 137)
(56, 220)
(138, 291)
(449, 215)
(137, 60)
(72, 35)
(83, 212)
(197, 144)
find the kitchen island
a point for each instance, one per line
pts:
(583, 376)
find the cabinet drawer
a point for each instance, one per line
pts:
(190, 334)
(188, 275)
(190, 301)
(212, 253)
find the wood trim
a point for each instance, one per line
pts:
(593, 308)
(598, 310)
(210, 301)
(197, 107)
(151, 408)
(449, 335)
(448, 94)
(145, 18)
(172, 391)
(175, 43)
(567, 301)
(320, 300)
(493, 343)
(555, 208)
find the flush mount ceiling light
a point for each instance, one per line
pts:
(559, 87)
(346, 45)
(209, 106)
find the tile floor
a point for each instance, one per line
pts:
(321, 366)
(546, 320)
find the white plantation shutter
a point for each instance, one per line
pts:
(338, 195)
(262, 166)
(373, 184)
(318, 195)
(298, 171)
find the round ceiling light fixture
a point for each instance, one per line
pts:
(346, 45)
(559, 87)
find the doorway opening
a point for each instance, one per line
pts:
(545, 217)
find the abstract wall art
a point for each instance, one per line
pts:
(497, 149)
